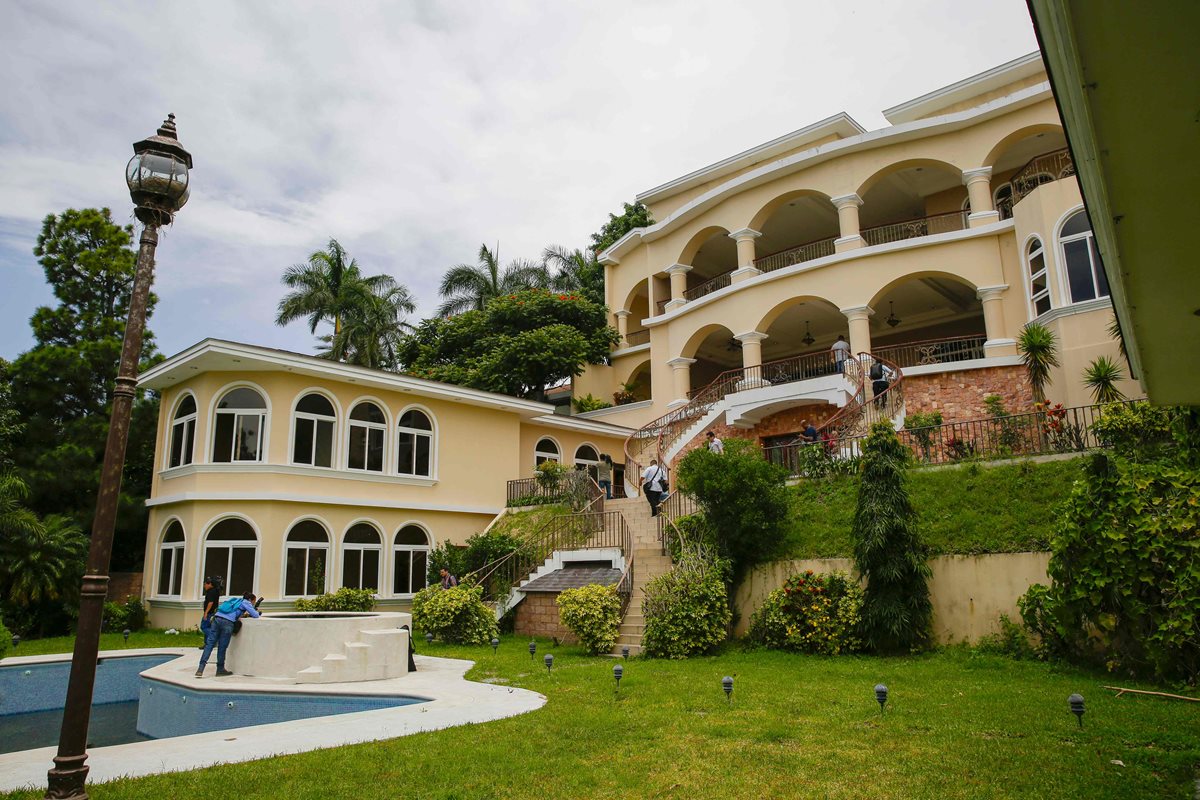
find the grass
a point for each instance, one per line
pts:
(971, 509)
(525, 523)
(108, 641)
(957, 726)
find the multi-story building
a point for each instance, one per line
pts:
(928, 244)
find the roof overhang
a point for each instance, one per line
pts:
(217, 355)
(1126, 77)
(926, 105)
(582, 425)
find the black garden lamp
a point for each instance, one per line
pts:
(618, 673)
(727, 685)
(495, 644)
(881, 696)
(126, 633)
(549, 659)
(532, 650)
(1075, 701)
(16, 641)
(429, 638)
(625, 652)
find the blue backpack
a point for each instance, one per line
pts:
(230, 606)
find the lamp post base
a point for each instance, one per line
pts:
(68, 778)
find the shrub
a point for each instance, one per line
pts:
(897, 612)
(344, 599)
(686, 610)
(456, 615)
(811, 613)
(593, 613)
(1129, 428)
(5, 639)
(745, 499)
(484, 548)
(1011, 640)
(589, 403)
(118, 616)
(550, 474)
(1123, 570)
(919, 425)
(447, 556)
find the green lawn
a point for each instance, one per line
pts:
(108, 641)
(957, 726)
(974, 508)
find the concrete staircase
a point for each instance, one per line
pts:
(648, 563)
(378, 654)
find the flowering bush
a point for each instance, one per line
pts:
(811, 613)
(593, 613)
(1061, 435)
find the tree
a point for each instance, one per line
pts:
(575, 271)
(633, 216)
(10, 421)
(467, 287)
(518, 344)
(61, 388)
(1101, 377)
(1038, 347)
(372, 330)
(897, 613)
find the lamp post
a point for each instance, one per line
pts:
(157, 176)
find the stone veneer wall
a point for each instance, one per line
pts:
(786, 421)
(122, 585)
(537, 615)
(959, 395)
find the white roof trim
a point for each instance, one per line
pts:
(841, 124)
(176, 369)
(576, 424)
(1019, 68)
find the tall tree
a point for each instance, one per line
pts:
(373, 329)
(61, 388)
(634, 215)
(467, 287)
(575, 271)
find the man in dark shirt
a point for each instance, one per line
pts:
(212, 598)
(810, 432)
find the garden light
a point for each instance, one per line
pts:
(625, 652)
(532, 650)
(549, 662)
(495, 644)
(125, 633)
(618, 672)
(429, 638)
(1075, 701)
(16, 640)
(881, 696)
(727, 685)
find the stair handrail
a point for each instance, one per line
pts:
(860, 413)
(625, 584)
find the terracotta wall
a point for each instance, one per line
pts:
(537, 615)
(122, 585)
(784, 422)
(959, 395)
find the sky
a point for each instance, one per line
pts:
(413, 132)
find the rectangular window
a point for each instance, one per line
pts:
(189, 441)
(177, 572)
(323, 454)
(293, 584)
(241, 571)
(216, 564)
(366, 448)
(413, 455)
(249, 427)
(370, 570)
(419, 568)
(223, 439)
(302, 449)
(177, 431)
(315, 576)
(166, 570)
(403, 578)
(351, 569)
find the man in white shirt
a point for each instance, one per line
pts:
(841, 352)
(654, 483)
(715, 445)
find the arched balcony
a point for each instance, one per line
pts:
(911, 199)
(929, 318)
(796, 227)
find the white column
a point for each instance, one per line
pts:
(623, 326)
(682, 371)
(979, 190)
(745, 254)
(997, 344)
(678, 273)
(860, 328)
(751, 359)
(849, 238)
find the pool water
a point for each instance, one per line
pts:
(111, 723)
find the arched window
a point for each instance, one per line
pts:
(361, 550)
(170, 560)
(1081, 260)
(312, 431)
(414, 450)
(411, 551)
(588, 459)
(368, 428)
(1039, 286)
(230, 553)
(546, 450)
(240, 426)
(183, 433)
(1002, 200)
(307, 551)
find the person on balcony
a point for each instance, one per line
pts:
(654, 483)
(841, 352)
(604, 473)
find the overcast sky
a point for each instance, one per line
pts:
(413, 131)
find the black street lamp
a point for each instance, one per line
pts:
(618, 673)
(157, 176)
(549, 662)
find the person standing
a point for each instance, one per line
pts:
(212, 598)
(841, 353)
(715, 445)
(227, 613)
(448, 580)
(604, 473)
(810, 433)
(654, 483)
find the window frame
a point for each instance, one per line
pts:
(316, 419)
(208, 542)
(383, 427)
(264, 423)
(1093, 251)
(590, 467)
(409, 549)
(544, 455)
(307, 547)
(1029, 253)
(188, 421)
(360, 548)
(178, 552)
(431, 435)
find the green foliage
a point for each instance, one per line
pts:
(129, 615)
(484, 548)
(745, 499)
(575, 271)
(550, 474)
(1038, 347)
(344, 599)
(5, 640)
(450, 557)
(467, 287)
(588, 403)
(592, 613)
(686, 610)
(888, 552)
(455, 615)
(1101, 378)
(633, 215)
(919, 423)
(811, 613)
(1131, 428)
(518, 344)
(1123, 569)
(1012, 640)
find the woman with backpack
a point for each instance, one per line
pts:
(228, 613)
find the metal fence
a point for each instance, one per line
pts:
(708, 287)
(634, 338)
(576, 488)
(795, 255)
(1047, 167)
(911, 229)
(933, 351)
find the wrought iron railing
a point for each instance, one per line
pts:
(795, 255)
(1054, 429)
(577, 488)
(625, 584)
(634, 338)
(933, 351)
(913, 228)
(677, 505)
(1047, 167)
(708, 287)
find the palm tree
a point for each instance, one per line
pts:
(372, 330)
(1038, 347)
(466, 286)
(38, 558)
(575, 271)
(15, 519)
(1101, 377)
(325, 288)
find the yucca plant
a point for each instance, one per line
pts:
(1101, 377)
(1038, 347)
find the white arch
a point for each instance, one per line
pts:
(388, 428)
(582, 445)
(329, 549)
(212, 418)
(433, 445)
(156, 573)
(169, 428)
(1060, 266)
(203, 544)
(557, 443)
(383, 549)
(337, 424)
(392, 549)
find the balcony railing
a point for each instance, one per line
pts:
(933, 351)
(708, 287)
(634, 338)
(913, 228)
(575, 487)
(795, 255)
(1047, 167)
